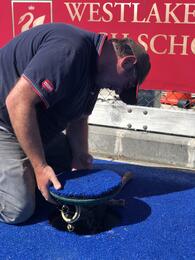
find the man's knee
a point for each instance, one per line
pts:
(16, 213)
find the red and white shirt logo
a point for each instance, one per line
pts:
(47, 85)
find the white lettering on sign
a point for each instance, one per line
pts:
(193, 46)
(161, 43)
(107, 12)
(173, 44)
(177, 13)
(75, 11)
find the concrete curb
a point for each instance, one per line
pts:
(138, 146)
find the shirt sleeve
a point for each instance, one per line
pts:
(51, 71)
(91, 102)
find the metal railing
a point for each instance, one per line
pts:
(155, 98)
(156, 111)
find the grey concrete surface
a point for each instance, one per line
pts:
(142, 147)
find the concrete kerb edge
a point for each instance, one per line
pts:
(191, 153)
(120, 144)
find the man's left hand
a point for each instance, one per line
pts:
(82, 161)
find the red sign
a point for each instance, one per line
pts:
(164, 28)
(28, 14)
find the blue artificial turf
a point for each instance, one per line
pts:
(158, 222)
(87, 184)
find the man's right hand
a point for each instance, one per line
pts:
(45, 176)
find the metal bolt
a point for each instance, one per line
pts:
(129, 126)
(70, 228)
(145, 112)
(145, 127)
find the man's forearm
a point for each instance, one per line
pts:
(77, 132)
(24, 123)
(21, 106)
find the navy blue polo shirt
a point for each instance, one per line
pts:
(60, 62)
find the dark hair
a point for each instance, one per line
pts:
(122, 47)
(127, 46)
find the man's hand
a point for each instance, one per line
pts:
(82, 161)
(45, 176)
(77, 133)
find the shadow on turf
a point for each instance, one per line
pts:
(151, 181)
(148, 181)
(103, 218)
(100, 219)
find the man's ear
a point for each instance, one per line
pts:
(127, 62)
